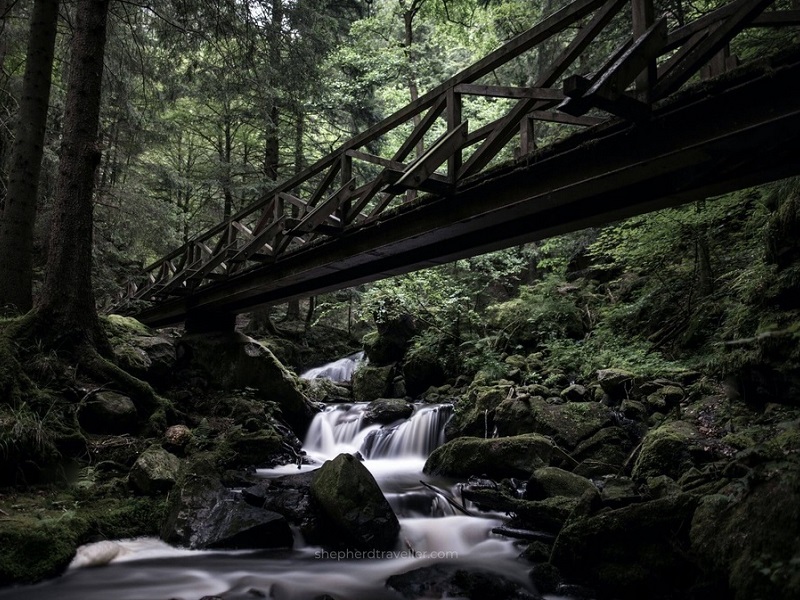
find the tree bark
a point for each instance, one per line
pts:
(19, 212)
(67, 300)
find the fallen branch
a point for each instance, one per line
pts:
(450, 500)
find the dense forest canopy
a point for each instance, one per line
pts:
(205, 106)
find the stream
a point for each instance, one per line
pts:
(432, 532)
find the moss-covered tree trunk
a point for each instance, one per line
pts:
(19, 212)
(67, 301)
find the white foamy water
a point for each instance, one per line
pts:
(432, 532)
(338, 371)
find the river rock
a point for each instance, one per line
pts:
(108, 413)
(606, 452)
(617, 383)
(154, 472)
(516, 456)
(474, 414)
(176, 438)
(388, 410)
(547, 515)
(552, 481)
(751, 542)
(568, 424)
(639, 551)
(450, 581)
(290, 496)
(371, 383)
(576, 393)
(666, 450)
(665, 398)
(356, 513)
(202, 513)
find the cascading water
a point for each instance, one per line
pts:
(338, 371)
(395, 454)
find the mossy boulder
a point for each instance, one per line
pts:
(235, 361)
(389, 343)
(516, 456)
(388, 410)
(665, 398)
(568, 424)
(474, 413)
(31, 551)
(154, 472)
(421, 371)
(576, 393)
(605, 453)
(617, 383)
(639, 551)
(546, 515)
(108, 413)
(371, 382)
(666, 450)
(552, 481)
(751, 543)
(139, 350)
(358, 514)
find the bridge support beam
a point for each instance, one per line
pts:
(210, 322)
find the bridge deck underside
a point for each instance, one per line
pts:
(734, 132)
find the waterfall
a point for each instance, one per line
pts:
(338, 371)
(341, 428)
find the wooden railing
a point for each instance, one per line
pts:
(337, 193)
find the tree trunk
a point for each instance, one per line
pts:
(19, 213)
(67, 300)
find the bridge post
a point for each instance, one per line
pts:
(216, 322)
(643, 16)
(346, 175)
(453, 120)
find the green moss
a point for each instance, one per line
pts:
(516, 456)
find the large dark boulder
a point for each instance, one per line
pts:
(202, 513)
(235, 361)
(452, 581)
(356, 513)
(474, 413)
(517, 456)
(290, 496)
(422, 370)
(388, 410)
(389, 343)
(639, 551)
(605, 453)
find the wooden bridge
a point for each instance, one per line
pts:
(670, 116)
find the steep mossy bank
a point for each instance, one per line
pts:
(81, 461)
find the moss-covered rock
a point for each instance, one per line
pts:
(752, 544)
(546, 515)
(516, 456)
(665, 398)
(422, 370)
(388, 410)
(552, 481)
(371, 383)
(639, 551)
(389, 343)
(31, 551)
(605, 453)
(235, 361)
(108, 413)
(154, 472)
(568, 424)
(355, 510)
(139, 350)
(666, 450)
(474, 413)
(617, 383)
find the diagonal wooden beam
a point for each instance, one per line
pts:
(688, 60)
(421, 169)
(608, 92)
(321, 213)
(499, 91)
